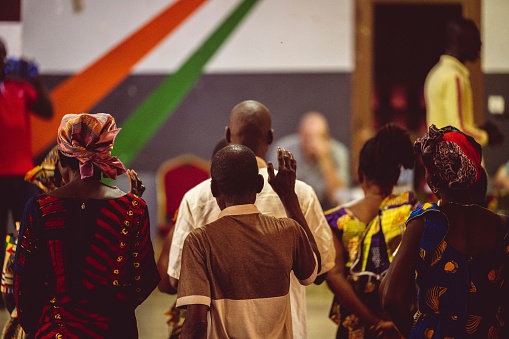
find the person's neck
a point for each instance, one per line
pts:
(372, 191)
(237, 200)
(462, 198)
(455, 54)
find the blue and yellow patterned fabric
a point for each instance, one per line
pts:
(369, 249)
(457, 294)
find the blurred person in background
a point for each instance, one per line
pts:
(22, 93)
(323, 161)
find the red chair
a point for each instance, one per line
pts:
(174, 178)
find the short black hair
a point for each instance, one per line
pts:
(234, 169)
(382, 156)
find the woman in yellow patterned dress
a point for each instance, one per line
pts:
(459, 250)
(367, 233)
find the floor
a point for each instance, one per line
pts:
(152, 321)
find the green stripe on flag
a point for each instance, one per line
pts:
(158, 107)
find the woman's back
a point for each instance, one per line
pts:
(89, 264)
(463, 266)
(473, 230)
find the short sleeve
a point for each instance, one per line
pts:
(305, 265)
(194, 285)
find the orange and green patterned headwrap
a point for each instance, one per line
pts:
(89, 138)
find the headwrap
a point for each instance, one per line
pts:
(89, 138)
(452, 158)
(43, 175)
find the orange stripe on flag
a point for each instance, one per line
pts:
(85, 89)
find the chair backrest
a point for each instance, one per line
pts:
(174, 178)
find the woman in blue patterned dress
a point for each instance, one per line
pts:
(456, 251)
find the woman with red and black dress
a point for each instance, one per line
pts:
(85, 259)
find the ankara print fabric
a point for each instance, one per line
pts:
(458, 296)
(82, 268)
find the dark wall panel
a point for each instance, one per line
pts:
(199, 122)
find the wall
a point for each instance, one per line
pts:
(293, 55)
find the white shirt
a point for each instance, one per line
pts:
(199, 207)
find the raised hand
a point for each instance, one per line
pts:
(283, 183)
(136, 185)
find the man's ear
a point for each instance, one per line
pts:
(260, 183)
(270, 137)
(214, 188)
(228, 135)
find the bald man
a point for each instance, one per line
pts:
(240, 264)
(250, 124)
(322, 161)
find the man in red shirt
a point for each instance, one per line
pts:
(20, 96)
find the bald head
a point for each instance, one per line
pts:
(313, 133)
(314, 122)
(250, 125)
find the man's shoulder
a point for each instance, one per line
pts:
(202, 189)
(303, 188)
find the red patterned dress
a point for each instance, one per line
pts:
(81, 269)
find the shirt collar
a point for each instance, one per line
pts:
(448, 59)
(239, 209)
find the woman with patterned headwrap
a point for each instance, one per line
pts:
(46, 177)
(456, 251)
(84, 260)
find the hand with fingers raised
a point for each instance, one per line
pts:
(137, 187)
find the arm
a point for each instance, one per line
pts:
(284, 185)
(344, 292)
(145, 269)
(162, 265)
(331, 170)
(313, 212)
(136, 185)
(29, 289)
(399, 285)
(194, 290)
(454, 103)
(195, 326)
(42, 105)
